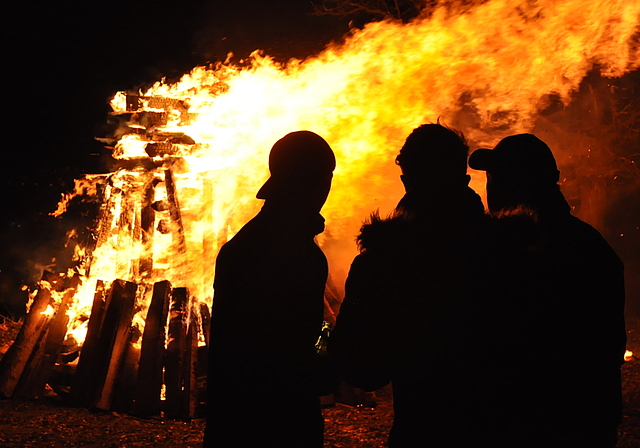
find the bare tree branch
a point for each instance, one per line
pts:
(398, 9)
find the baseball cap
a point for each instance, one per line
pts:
(298, 159)
(519, 159)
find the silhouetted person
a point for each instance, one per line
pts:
(407, 313)
(268, 309)
(568, 392)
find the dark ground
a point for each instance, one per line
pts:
(50, 423)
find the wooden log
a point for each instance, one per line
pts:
(114, 340)
(133, 102)
(190, 397)
(178, 145)
(83, 389)
(34, 384)
(149, 382)
(168, 104)
(15, 360)
(174, 357)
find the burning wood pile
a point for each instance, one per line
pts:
(119, 368)
(143, 341)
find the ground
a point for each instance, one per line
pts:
(50, 423)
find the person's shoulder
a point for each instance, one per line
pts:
(513, 229)
(378, 233)
(582, 228)
(588, 237)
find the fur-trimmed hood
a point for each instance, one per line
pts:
(419, 215)
(512, 230)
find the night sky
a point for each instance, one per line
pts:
(68, 60)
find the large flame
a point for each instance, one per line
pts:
(487, 70)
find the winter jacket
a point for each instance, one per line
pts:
(407, 316)
(267, 315)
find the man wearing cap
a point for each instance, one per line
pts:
(574, 400)
(406, 317)
(268, 309)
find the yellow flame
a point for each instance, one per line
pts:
(487, 70)
(628, 355)
(49, 312)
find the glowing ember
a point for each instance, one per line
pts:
(628, 355)
(201, 144)
(49, 312)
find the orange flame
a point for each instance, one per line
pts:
(487, 70)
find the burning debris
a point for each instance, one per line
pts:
(125, 324)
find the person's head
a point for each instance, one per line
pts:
(520, 170)
(301, 165)
(433, 157)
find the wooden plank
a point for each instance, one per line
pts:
(83, 388)
(114, 339)
(15, 360)
(124, 389)
(174, 357)
(190, 398)
(149, 382)
(32, 368)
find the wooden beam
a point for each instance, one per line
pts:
(149, 382)
(124, 388)
(174, 358)
(83, 389)
(114, 340)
